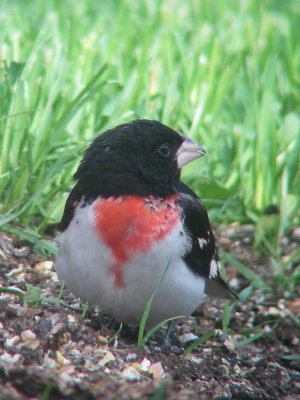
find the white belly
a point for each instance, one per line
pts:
(83, 262)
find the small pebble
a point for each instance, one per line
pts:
(10, 342)
(28, 335)
(131, 356)
(187, 337)
(131, 374)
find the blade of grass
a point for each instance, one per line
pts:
(60, 292)
(196, 343)
(252, 276)
(116, 334)
(227, 314)
(157, 327)
(85, 307)
(148, 307)
(250, 339)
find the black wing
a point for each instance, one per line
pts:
(203, 257)
(72, 201)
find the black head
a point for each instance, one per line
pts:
(137, 158)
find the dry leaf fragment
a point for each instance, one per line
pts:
(145, 364)
(102, 340)
(57, 327)
(28, 335)
(107, 358)
(230, 343)
(62, 361)
(44, 265)
(157, 370)
(194, 359)
(142, 367)
(131, 374)
(294, 306)
(237, 369)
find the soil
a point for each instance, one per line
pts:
(49, 351)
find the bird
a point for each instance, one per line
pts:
(129, 219)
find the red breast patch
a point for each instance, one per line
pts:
(130, 224)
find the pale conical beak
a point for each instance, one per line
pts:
(188, 151)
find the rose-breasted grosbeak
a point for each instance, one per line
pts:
(127, 217)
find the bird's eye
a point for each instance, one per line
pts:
(164, 150)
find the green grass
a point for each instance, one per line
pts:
(229, 76)
(143, 339)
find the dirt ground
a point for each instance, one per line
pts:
(49, 351)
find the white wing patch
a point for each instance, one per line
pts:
(202, 242)
(214, 269)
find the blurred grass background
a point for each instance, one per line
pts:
(226, 73)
